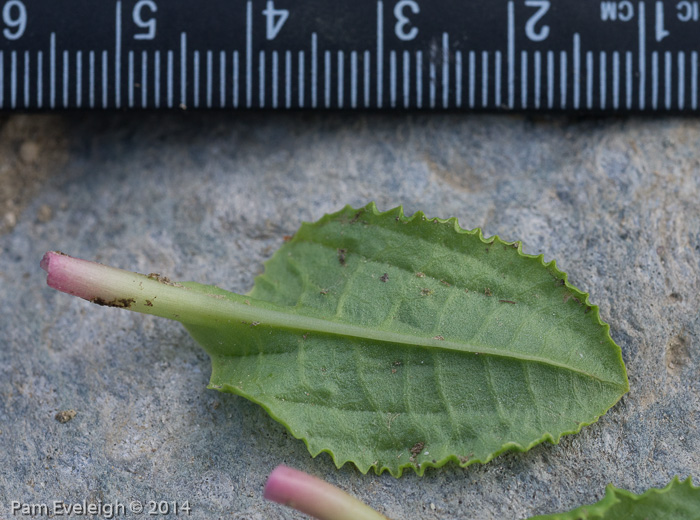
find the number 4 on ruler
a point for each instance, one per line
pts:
(275, 19)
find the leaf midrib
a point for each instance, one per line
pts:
(308, 324)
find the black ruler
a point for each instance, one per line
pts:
(502, 55)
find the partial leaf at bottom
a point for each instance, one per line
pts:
(677, 501)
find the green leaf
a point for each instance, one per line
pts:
(400, 342)
(677, 501)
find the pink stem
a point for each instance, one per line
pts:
(315, 497)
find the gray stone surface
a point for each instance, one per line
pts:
(208, 197)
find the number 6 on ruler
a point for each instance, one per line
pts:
(19, 22)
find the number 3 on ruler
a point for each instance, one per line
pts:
(402, 20)
(18, 22)
(275, 19)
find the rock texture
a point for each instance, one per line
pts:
(99, 404)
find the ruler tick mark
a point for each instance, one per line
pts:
(39, 78)
(261, 73)
(603, 79)
(628, 79)
(550, 79)
(523, 79)
(419, 79)
(144, 79)
(222, 79)
(367, 64)
(169, 73)
(13, 79)
(484, 79)
(118, 55)
(195, 79)
(210, 78)
(577, 71)
(341, 78)
(654, 80)
(52, 71)
(589, 80)
(79, 79)
(380, 52)
(314, 70)
(497, 79)
(563, 75)
(694, 80)
(406, 79)
(392, 79)
(249, 54)
(275, 78)
(236, 79)
(130, 79)
(302, 71)
(26, 83)
(65, 78)
(288, 79)
(681, 80)
(668, 63)
(616, 79)
(2, 79)
(642, 56)
(538, 78)
(511, 55)
(327, 79)
(353, 79)
(91, 65)
(472, 79)
(432, 78)
(183, 69)
(156, 79)
(458, 79)
(445, 70)
(105, 89)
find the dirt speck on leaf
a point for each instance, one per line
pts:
(487, 291)
(415, 450)
(463, 459)
(341, 256)
(65, 415)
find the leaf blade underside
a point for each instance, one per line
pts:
(677, 501)
(395, 342)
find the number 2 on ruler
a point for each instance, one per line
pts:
(275, 19)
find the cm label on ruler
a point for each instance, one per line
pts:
(377, 54)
